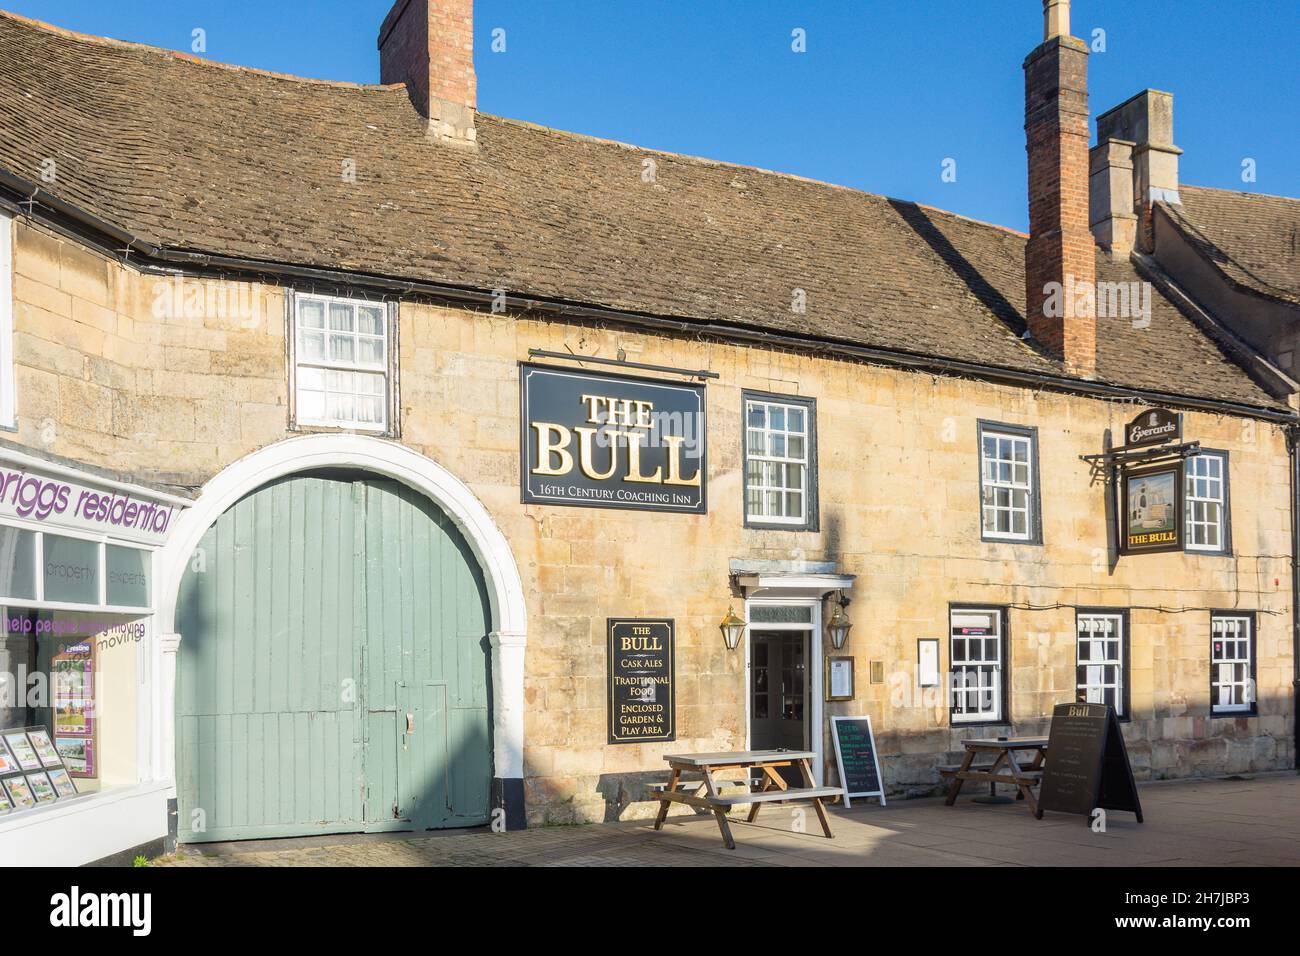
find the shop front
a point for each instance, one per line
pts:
(79, 664)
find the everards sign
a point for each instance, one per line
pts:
(611, 441)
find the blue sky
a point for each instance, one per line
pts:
(885, 92)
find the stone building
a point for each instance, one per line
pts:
(348, 425)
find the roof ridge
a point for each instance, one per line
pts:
(186, 57)
(1240, 192)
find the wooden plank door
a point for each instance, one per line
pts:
(306, 606)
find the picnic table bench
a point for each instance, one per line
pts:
(740, 766)
(1005, 768)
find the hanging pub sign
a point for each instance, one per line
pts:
(591, 439)
(642, 695)
(1154, 427)
(1151, 509)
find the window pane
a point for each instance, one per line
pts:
(370, 320)
(71, 570)
(342, 348)
(371, 351)
(311, 313)
(17, 563)
(341, 317)
(128, 576)
(313, 346)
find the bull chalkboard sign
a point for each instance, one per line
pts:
(855, 757)
(1087, 764)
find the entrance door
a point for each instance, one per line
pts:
(333, 671)
(778, 688)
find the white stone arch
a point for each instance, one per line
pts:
(389, 459)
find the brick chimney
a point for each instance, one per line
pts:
(1060, 257)
(429, 46)
(1145, 122)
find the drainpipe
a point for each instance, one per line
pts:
(1293, 451)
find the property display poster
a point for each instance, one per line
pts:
(73, 676)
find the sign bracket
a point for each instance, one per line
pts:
(622, 363)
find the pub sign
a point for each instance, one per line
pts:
(1152, 509)
(1153, 427)
(642, 691)
(591, 439)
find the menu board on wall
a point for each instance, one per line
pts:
(642, 696)
(72, 671)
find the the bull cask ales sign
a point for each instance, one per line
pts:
(611, 441)
(642, 696)
(1154, 427)
(1151, 509)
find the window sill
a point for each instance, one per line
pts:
(1252, 712)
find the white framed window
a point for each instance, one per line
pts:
(780, 456)
(8, 397)
(1232, 664)
(976, 654)
(1207, 501)
(1099, 659)
(1008, 483)
(342, 362)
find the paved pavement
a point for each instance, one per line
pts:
(1219, 822)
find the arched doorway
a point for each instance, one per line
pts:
(481, 544)
(334, 671)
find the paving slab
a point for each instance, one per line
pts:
(1203, 822)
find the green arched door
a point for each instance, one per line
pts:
(333, 668)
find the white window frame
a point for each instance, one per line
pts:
(805, 489)
(1242, 637)
(8, 388)
(1194, 482)
(385, 368)
(1016, 436)
(1092, 687)
(988, 683)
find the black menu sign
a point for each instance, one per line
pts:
(855, 758)
(1087, 763)
(641, 693)
(611, 441)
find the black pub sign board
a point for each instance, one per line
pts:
(1151, 509)
(642, 691)
(1087, 764)
(1153, 427)
(592, 439)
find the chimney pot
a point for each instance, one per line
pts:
(1056, 19)
(429, 46)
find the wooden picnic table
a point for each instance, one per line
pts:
(767, 787)
(1005, 768)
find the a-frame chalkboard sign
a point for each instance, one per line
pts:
(1087, 764)
(856, 759)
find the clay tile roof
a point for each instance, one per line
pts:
(196, 156)
(1253, 240)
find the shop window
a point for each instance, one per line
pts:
(342, 362)
(68, 704)
(7, 392)
(17, 564)
(1100, 653)
(1207, 502)
(780, 453)
(977, 653)
(1009, 499)
(1232, 664)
